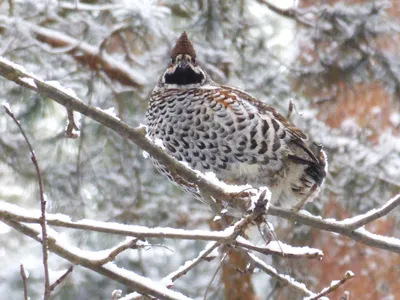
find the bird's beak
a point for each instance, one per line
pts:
(183, 64)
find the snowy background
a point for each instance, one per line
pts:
(342, 71)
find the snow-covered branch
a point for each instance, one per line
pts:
(13, 212)
(81, 51)
(15, 72)
(209, 189)
(360, 235)
(284, 279)
(85, 258)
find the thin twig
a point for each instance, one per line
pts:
(215, 274)
(24, 279)
(42, 204)
(77, 256)
(283, 279)
(130, 243)
(190, 265)
(233, 232)
(348, 275)
(72, 130)
(61, 279)
(278, 248)
(372, 215)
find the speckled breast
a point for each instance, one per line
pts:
(213, 129)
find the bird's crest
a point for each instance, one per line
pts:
(183, 46)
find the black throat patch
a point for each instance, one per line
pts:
(184, 76)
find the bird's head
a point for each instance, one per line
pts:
(184, 70)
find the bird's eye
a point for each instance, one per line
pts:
(193, 60)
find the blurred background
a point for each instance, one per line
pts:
(338, 60)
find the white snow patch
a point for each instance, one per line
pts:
(395, 119)
(376, 110)
(278, 246)
(217, 218)
(29, 81)
(158, 142)
(6, 105)
(116, 294)
(145, 282)
(141, 125)
(230, 188)
(350, 126)
(385, 239)
(12, 64)
(57, 85)
(4, 228)
(145, 154)
(109, 111)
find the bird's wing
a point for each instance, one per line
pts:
(263, 108)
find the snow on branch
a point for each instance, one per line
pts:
(85, 258)
(290, 282)
(13, 212)
(333, 286)
(81, 51)
(360, 235)
(372, 215)
(209, 189)
(14, 72)
(15, 217)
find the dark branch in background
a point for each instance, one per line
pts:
(14, 73)
(84, 53)
(131, 243)
(348, 34)
(24, 281)
(72, 128)
(42, 205)
(61, 279)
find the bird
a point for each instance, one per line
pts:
(224, 130)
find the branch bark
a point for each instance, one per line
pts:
(42, 219)
(81, 51)
(128, 278)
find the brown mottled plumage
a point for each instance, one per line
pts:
(222, 129)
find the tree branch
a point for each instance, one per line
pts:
(334, 285)
(170, 278)
(13, 212)
(286, 280)
(24, 281)
(81, 51)
(374, 214)
(43, 224)
(130, 279)
(61, 279)
(64, 97)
